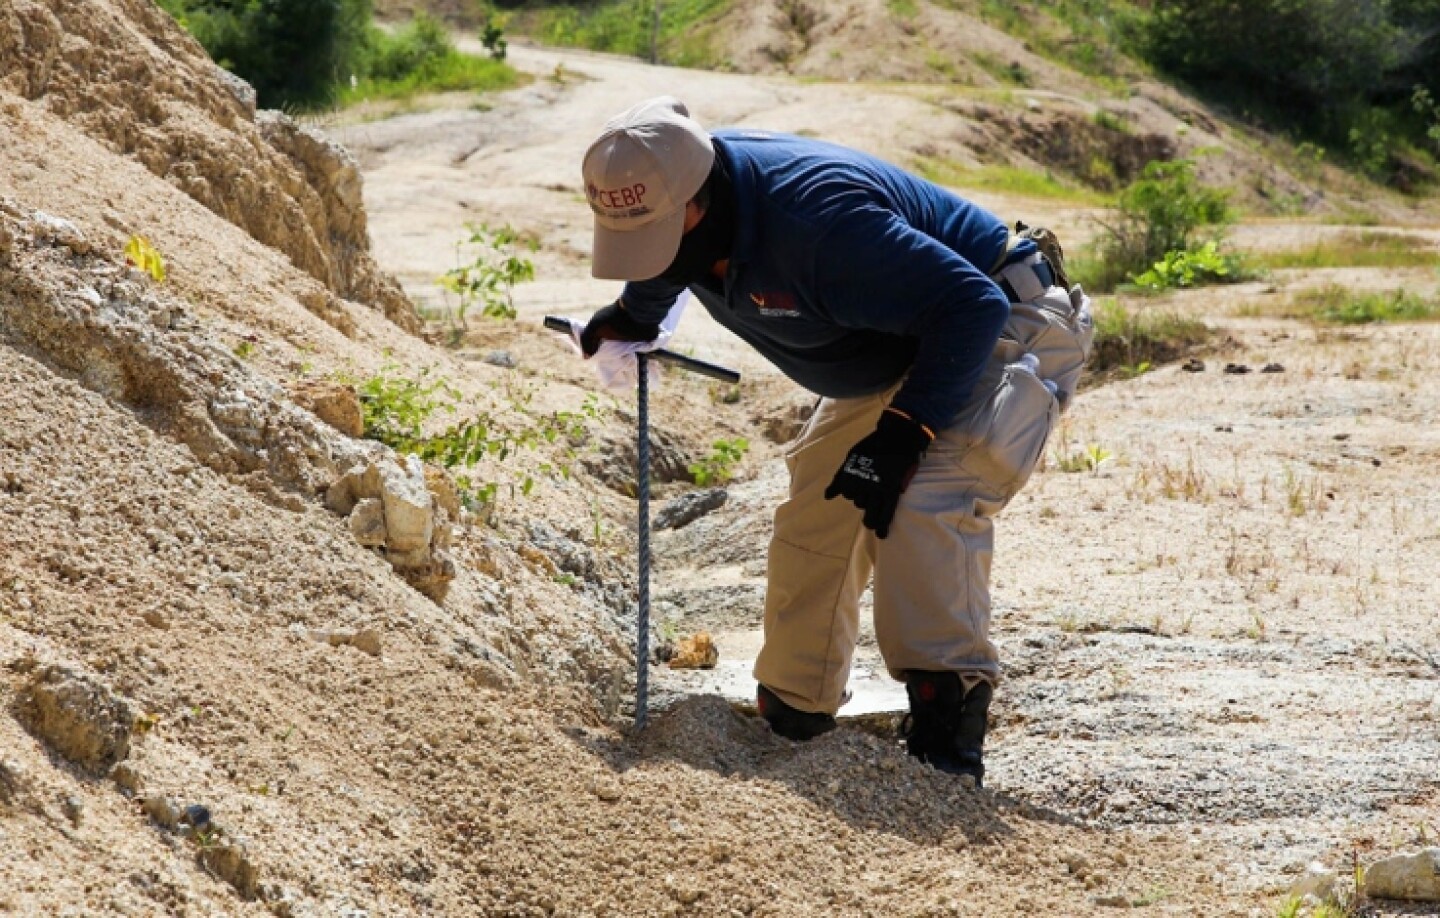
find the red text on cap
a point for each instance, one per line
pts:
(628, 196)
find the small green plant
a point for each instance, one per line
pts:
(490, 278)
(1193, 268)
(1397, 306)
(719, 466)
(1096, 456)
(1086, 459)
(1152, 896)
(396, 408)
(1256, 631)
(207, 838)
(244, 348)
(1110, 121)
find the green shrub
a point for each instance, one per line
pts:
(295, 53)
(1335, 71)
(1193, 268)
(417, 47)
(396, 408)
(1161, 212)
(309, 54)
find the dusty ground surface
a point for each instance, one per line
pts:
(1221, 645)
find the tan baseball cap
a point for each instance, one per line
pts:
(639, 174)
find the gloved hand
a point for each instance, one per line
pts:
(879, 468)
(613, 323)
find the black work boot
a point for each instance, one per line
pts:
(946, 726)
(789, 722)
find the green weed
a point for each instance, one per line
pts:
(719, 466)
(1193, 268)
(1165, 210)
(396, 410)
(490, 278)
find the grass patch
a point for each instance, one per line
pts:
(1006, 180)
(1337, 305)
(1132, 341)
(1084, 35)
(1357, 250)
(625, 27)
(451, 72)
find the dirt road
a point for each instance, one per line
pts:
(1224, 634)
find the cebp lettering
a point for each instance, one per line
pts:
(629, 196)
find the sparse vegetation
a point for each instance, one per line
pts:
(1145, 336)
(490, 278)
(396, 409)
(1334, 304)
(1357, 250)
(1006, 180)
(627, 27)
(421, 57)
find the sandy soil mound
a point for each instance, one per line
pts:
(127, 76)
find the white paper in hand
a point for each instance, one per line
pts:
(614, 362)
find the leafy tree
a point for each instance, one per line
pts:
(1357, 74)
(294, 52)
(1302, 56)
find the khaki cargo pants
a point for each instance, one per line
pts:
(932, 573)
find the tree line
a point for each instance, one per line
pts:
(1359, 76)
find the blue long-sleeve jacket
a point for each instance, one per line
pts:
(848, 274)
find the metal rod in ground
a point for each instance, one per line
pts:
(642, 622)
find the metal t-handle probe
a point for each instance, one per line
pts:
(642, 616)
(642, 450)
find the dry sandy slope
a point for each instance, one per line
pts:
(472, 766)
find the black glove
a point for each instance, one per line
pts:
(612, 323)
(879, 468)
